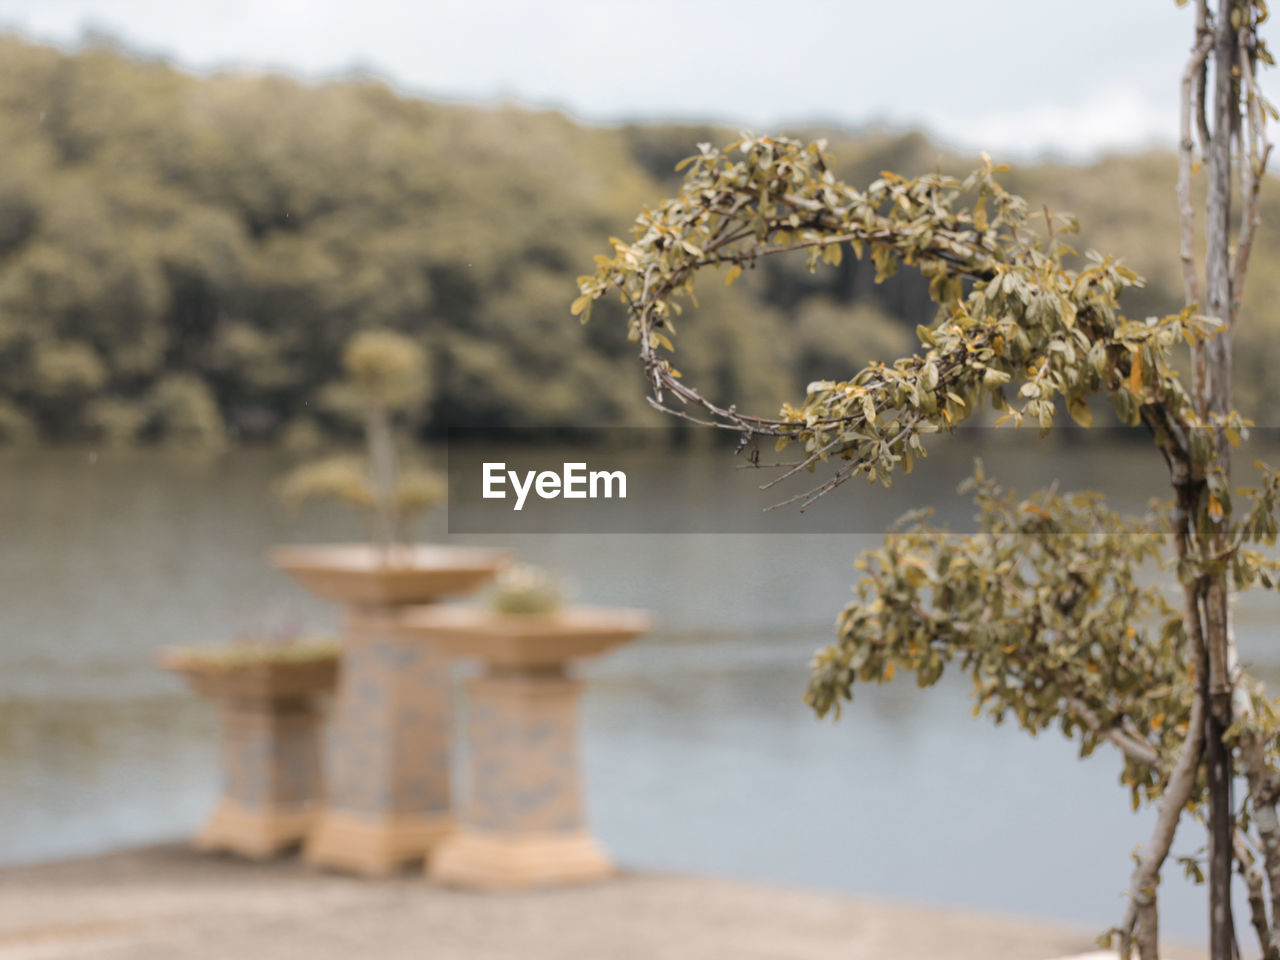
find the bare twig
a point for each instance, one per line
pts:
(1186, 163)
(1133, 747)
(1253, 164)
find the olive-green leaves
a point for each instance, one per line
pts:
(1046, 609)
(1018, 327)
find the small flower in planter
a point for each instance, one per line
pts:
(525, 590)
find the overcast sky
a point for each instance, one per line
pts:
(1014, 77)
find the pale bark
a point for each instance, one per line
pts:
(1131, 745)
(1254, 154)
(1186, 164)
(1253, 882)
(1216, 400)
(1141, 926)
(1192, 109)
(1264, 790)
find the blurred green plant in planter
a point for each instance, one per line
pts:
(280, 645)
(385, 376)
(252, 651)
(525, 590)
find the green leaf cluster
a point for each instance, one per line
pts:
(1049, 609)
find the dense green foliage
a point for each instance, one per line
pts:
(385, 376)
(1102, 637)
(183, 258)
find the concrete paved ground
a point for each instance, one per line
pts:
(167, 903)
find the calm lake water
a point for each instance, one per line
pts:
(700, 756)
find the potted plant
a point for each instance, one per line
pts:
(268, 694)
(387, 776)
(522, 823)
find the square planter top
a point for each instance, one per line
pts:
(361, 574)
(257, 679)
(528, 640)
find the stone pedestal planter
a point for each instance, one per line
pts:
(271, 735)
(522, 823)
(387, 774)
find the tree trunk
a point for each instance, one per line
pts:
(1216, 398)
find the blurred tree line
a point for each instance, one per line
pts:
(182, 259)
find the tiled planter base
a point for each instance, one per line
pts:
(477, 860)
(387, 792)
(523, 824)
(256, 834)
(271, 734)
(387, 797)
(377, 846)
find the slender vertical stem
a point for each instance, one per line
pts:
(382, 454)
(1216, 399)
(1186, 162)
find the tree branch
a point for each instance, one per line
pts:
(1131, 746)
(1247, 864)
(1141, 923)
(1186, 161)
(1253, 165)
